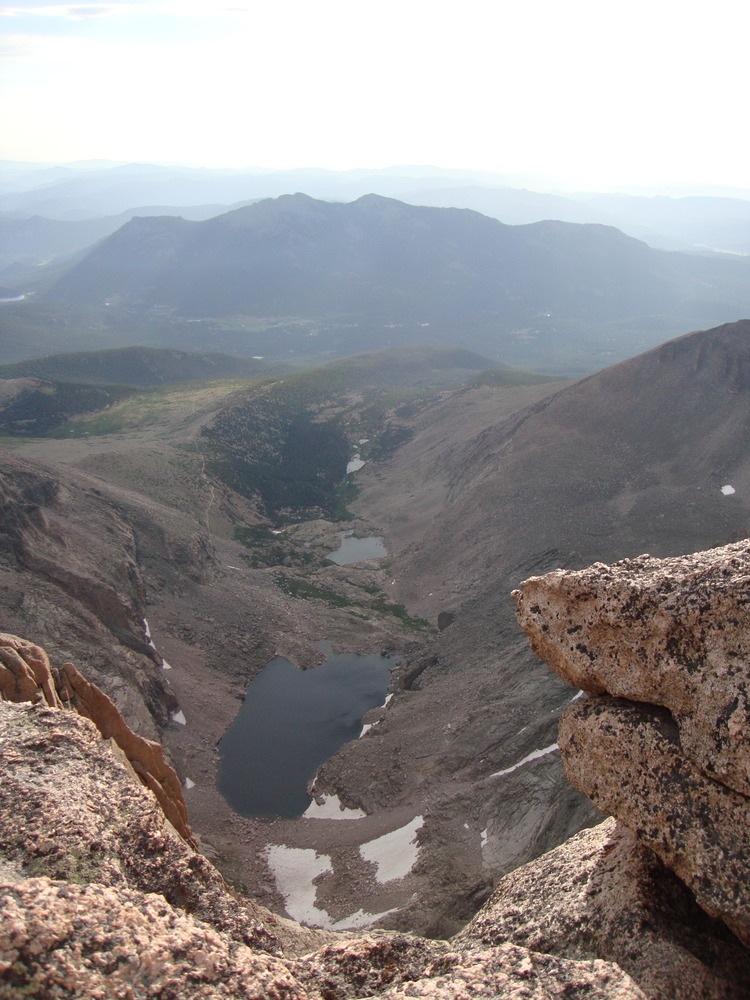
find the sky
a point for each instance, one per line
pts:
(595, 95)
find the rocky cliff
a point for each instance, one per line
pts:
(27, 675)
(101, 897)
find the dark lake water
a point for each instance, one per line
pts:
(292, 721)
(354, 550)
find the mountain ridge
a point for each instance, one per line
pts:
(378, 271)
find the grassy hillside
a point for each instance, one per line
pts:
(281, 441)
(135, 366)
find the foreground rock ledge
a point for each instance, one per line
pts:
(603, 894)
(100, 897)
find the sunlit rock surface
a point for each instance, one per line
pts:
(668, 632)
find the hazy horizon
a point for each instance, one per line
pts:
(582, 97)
(453, 177)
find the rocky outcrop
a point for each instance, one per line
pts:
(74, 941)
(26, 675)
(627, 757)
(66, 940)
(604, 895)
(399, 966)
(72, 810)
(663, 740)
(668, 632)
(25, 672)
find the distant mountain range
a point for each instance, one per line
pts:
(703, 221)
(392, 273)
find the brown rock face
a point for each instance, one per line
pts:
(26, 675)
(662, 646)
(145, 756)
(627, 758)
(25, 672)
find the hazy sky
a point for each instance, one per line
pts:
(598, 94)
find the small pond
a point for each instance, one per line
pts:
(292, 721)
(354, 550)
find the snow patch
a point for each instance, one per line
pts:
(179, 717)
(578, 695)
(295, 870)
(534, 755)
(355, 464)
(394, 854)
(147, 632)
(728, 490)
(331, 808)
(189, 783)
(165, 665)
(365, 728)
(484, 837)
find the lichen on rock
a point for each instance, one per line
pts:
(669, 632)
